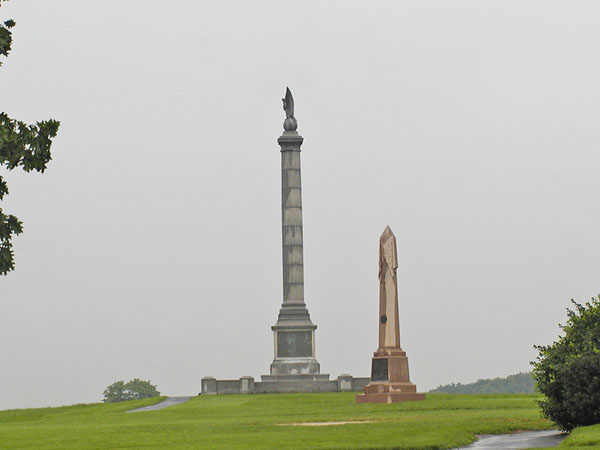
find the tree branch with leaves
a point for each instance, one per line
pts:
(21, 145)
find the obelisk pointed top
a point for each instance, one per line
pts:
(387, 233)
(387, 245)
(388, 253)
(290, 123)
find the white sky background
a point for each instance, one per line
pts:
(152, 244)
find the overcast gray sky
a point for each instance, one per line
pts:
(152, 244)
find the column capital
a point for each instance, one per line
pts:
(290, 141)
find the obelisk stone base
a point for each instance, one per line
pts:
(390, 380)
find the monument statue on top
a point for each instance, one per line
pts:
(390, 381)
(294, 332)
(290, 123)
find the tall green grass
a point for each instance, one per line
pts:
(582, 438)
(259, 422)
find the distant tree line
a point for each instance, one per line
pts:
(520, 383)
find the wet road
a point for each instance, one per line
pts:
(528, 439)
(169, 401)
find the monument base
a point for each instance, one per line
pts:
(295, 366)
(390, 379)
(272, 384)
(293, 378)
(318, 382)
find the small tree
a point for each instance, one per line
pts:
(115, 393)
(568, 371)
(138, 389)
(135, 389)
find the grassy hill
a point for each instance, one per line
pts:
(264, 422)
(521, 383)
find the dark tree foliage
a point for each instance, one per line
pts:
(21, 145)
(115, 393)
(568, 371)
(135, 389)
(520, 383)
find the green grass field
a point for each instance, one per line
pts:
(583, 438)
(260, 421)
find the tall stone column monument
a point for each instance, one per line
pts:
(294, 367)
(390, 381)
(294, 332)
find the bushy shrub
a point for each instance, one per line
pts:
(135, 389)
(568, 371)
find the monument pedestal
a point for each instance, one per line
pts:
(293, 378)
(294, 342)
(390, 381)
(282, 368)
(295, 368)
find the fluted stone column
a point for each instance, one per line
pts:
(291, 219)
(294, 332)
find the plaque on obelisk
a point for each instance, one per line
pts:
(294, 332)
(390, 381)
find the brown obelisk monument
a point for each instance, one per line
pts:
(294, 332)
(390, 381)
